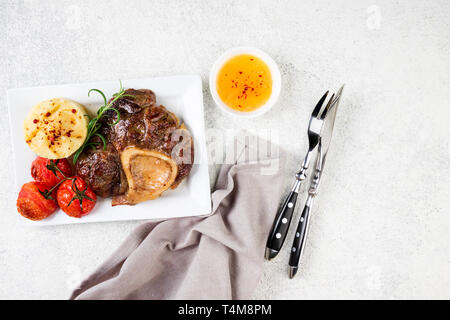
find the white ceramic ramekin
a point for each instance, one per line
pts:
(274, 71)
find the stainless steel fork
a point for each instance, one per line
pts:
(283, 219)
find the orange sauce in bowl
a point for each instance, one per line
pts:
(244, 83)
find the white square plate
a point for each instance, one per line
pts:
(180, 94)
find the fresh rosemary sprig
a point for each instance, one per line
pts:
(94, 125)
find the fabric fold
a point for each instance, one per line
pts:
(219, 256)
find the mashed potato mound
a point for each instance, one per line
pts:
(56, 128)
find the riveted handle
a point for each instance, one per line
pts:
(281, 226)
(299, 240)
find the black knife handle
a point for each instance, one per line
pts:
(281, 226)
(299, 240)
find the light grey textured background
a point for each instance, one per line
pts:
(381, 224)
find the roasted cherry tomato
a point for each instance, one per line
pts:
(50, 172)
(35, 202)
(75, 197)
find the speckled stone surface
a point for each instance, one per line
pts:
(381, 224)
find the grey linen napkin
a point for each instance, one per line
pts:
(215, 257)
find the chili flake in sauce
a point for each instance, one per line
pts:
(244, 83)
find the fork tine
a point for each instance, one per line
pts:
(330, 102)
(319, 105)
(334, 99)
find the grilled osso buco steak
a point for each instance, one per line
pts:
(148, 151)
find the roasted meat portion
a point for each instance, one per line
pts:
(102, 170)
(148, 151)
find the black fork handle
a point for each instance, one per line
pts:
(281, 226)
(283, 219)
